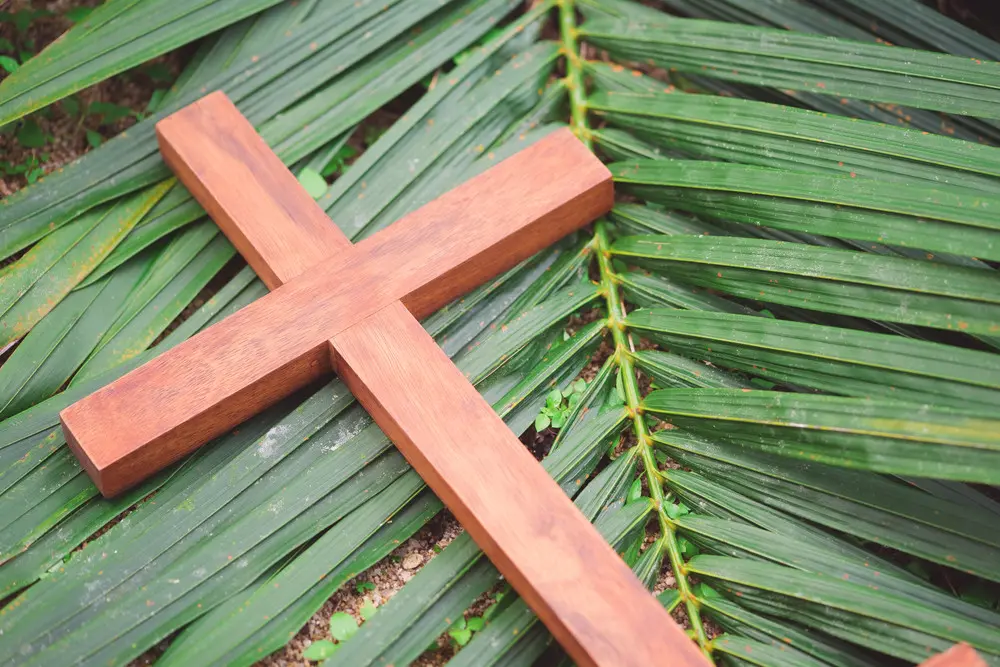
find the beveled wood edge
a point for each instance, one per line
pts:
(959, 655)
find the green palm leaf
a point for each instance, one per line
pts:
(42, 363)
(916, 25)
(832, 359)
(892, 624)
(118, 35)
(768, 491)
(752, 652)
(802, 135)
(824, 18)
(819, 64)
(763, 242)
(289, 71)
(941, 220)
(827, 279)
(730, 538)
(869, 434)
(33, 285)
(745, 623)
(173, 280)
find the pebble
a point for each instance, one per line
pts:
(412, 561)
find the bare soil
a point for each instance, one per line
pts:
(68, 132)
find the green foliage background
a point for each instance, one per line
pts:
(807, 228)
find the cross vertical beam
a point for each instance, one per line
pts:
(515, 512)
(357, 306)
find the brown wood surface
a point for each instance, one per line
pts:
(215, 380)
(351, 309)
(959, 655)
(280, 231)
(247, 190)
(536, 537)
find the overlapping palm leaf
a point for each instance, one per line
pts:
(821, 288)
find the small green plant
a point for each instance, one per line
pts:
(688, 548)
(9, 64)
(31, 134)
(634, 491)
(100, 114)
(22, 47)
(158, 72)
(94, 138)
(559, 404)
(313, 178)
(107, 113)
(462, 630)
(338, 164)
(676, 510)
(31, 168)
(162, 77)
(367, 610)
(494, 605)
(706, 592)
(313, 182)
(320, 650)
(343, 626)
(78, 14)
(487, 38)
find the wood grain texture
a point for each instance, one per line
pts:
(491, 222)
(247, 190)
(959, 655)
(210, 383)
(281, 231)
(518, 516)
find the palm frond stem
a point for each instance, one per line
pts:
(644, 443)
(623, 345)
(574, 71)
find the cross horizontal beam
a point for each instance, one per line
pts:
(177, 402)
(352, 308)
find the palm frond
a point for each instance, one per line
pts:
(831, 359)
(116, 36)
(853, 502)
(812, 259)
(779, 136)
(890, 623)
(794, 61)
(853, 432)
(894, 289)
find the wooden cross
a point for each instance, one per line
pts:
(353, 309)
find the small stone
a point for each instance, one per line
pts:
(412, 561)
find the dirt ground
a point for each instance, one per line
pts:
(68, 131)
